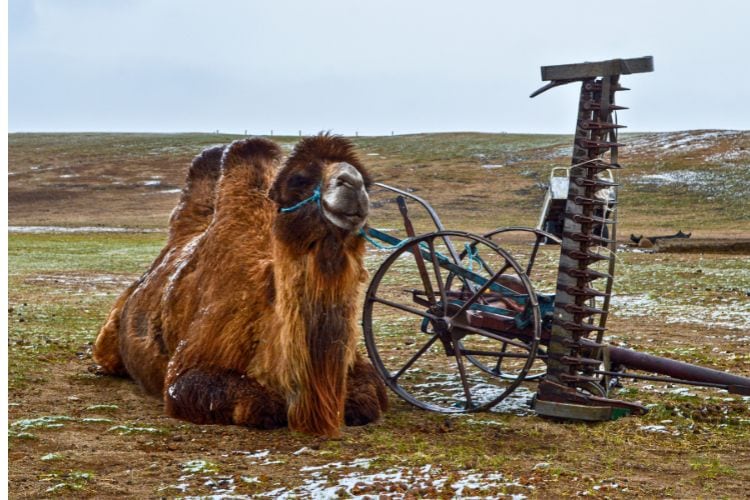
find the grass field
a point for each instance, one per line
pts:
(73, 433)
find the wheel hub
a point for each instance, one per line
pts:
(443, 326)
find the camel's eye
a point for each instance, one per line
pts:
(300, 181)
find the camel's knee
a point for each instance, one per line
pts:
(223, 398)
(106, 352)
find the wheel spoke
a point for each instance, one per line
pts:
(495, 354)
(500, 360)
(416, 356)
(477, 294)
(403, 307)
(494, 336)
(462, 373)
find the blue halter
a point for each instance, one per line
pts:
(314, 198)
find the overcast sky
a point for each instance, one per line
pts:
(372, 67)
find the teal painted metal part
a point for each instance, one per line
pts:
(546, 301)
(382, 236)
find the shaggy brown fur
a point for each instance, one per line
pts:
(258, 319)
(190, 217)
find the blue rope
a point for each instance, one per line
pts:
(314, 198)
(472, 253)
(378, 245)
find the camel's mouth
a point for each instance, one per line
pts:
(351, 221)
(345, 202)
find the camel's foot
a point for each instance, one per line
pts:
(366, 395)
(101, 371)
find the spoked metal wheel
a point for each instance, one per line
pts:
(538, 253)
(431, 342)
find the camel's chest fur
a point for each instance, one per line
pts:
(312, 323)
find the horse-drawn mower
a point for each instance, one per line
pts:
(457, 322)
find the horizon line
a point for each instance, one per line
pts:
(356, 134)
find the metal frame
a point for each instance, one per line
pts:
(579, 370)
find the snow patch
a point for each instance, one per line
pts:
(732, 314)
(653, 428)
(665, 143)
(725, 180)
(424, 482)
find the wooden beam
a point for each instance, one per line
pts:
(587, 70)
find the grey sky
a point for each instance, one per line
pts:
(372, 67)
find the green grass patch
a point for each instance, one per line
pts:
(67, 482)
(711, 468)
(82, 252)
(60, 289)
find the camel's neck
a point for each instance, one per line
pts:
(316, 298)
(316, 304)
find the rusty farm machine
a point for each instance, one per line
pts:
(458, 322)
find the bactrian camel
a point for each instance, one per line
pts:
(256, 322)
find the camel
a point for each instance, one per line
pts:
(189, 218)
(258, 320)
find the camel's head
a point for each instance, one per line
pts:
(322, 181)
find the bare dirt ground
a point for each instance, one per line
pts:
(76, 434)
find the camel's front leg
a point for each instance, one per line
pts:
(366, 395)
(222, 397)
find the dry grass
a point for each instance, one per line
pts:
(75, 434)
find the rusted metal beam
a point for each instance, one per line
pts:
(677, 369)
(596, 134)
(586, 70)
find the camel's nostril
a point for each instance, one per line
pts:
(347, 180)
(346, 176)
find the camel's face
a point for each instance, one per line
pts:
(320, 191)
(344, 199)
